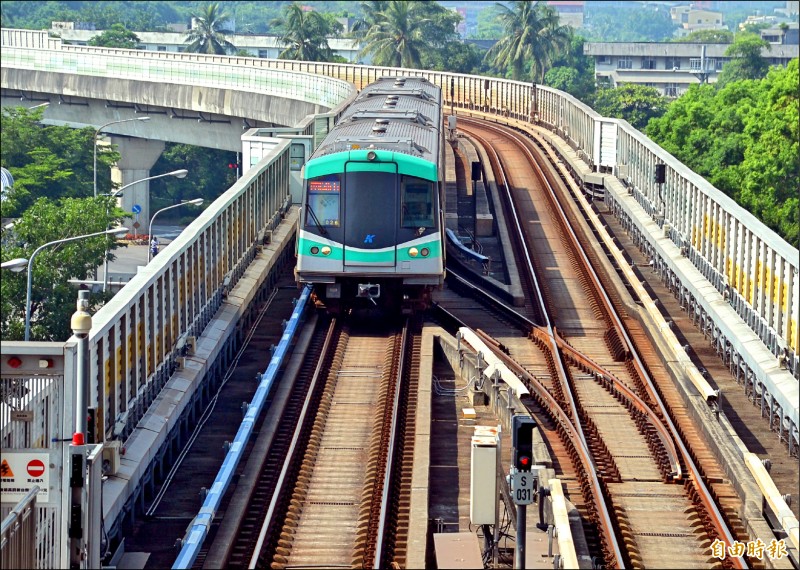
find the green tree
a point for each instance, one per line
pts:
(637, 104)
(488, 26)
(52, 297)
(455, 57)
(532, 36)
(743, 138)
(207, 34)
(397, 33)
(116, 37)
(208, 170)
(49, 161)
(746, 60)
(306, 34)
(573, 72)
(707, 37)
(627, 22)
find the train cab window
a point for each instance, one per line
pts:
(417, 203)
(323, 201)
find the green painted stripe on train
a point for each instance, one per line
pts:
(380, 256)
(305, 245)
(406, 164)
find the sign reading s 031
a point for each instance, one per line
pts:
(523, 487)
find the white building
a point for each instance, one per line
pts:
(256, 46)
(669, 67)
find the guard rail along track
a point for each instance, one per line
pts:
(636, 450)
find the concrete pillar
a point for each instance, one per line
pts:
(137, 158)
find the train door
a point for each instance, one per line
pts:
(370, 214)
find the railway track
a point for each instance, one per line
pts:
(646, 483)
(345, 475)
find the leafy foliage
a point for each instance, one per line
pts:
(397, 33)
(746, 60)
(306, 34)
(207, 35)
(627, 22)
(573, 72)
(52, 297)
(743, 138)
(49, 161)
(118, 36)
(209, 177)
(706, 37)
(637, 104)
(532, 35)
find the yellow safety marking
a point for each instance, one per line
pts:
(120, 365)
(5, 469)
(748, 284)
(130, 352)
(107, 368)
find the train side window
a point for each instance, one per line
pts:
(323, 201)
(417, 203)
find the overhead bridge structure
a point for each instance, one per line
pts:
(158, 344)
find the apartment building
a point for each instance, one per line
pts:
(255, 46)
(669, 67)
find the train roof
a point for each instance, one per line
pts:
(401, 114)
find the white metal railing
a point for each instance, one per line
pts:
(18, 534)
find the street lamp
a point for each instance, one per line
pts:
(195, 202)
(176, 173)
(15, 265)
(97, 133)
(30, 267)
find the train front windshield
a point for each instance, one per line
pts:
(323, 201)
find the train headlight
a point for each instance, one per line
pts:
(326, 250)
(425, 252)
(413, 252)
(315, 250)
(371, 155)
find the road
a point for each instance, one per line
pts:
(131, 257)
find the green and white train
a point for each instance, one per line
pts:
(371, 228)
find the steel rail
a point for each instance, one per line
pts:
(268, 518)
(581, 443)
(393, 435)
(696, 477)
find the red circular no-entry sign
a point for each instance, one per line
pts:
(35, 468)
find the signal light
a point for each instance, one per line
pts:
(233, 165)
(660, 175)
(14, 362)
(91, 425)
(522, 442)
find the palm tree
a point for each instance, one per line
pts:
(397, 33)
(532, 33)
(305, 34)
(206, 35)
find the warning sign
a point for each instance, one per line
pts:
(22, 471)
